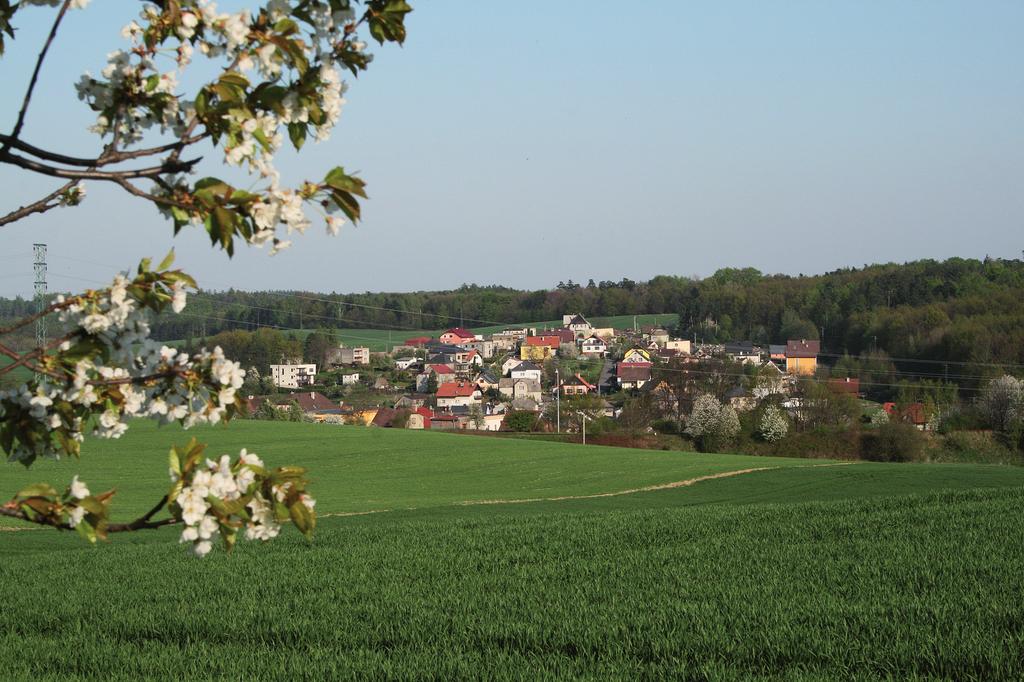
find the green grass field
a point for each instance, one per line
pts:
(384, 339)
(800, 571)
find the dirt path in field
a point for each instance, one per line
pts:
(652, 488)
(630, 491)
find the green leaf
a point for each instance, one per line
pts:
(167, 261)
(297, 134)
(37, 490)
(303, 518)
(338, 179)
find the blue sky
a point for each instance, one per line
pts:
(527, 143)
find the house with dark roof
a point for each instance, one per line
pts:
(526, 370)
(578, 324)
(313, 404)
(802, 356)
(632, 375)
(594, 346)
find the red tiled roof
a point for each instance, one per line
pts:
(802, 348)
(442, 369)
(461, 333)
(577, 380)
(552, 341)
(418, 340)
(912, 413)
(847, 385)
(456, 390)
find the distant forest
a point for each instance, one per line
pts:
(958, 310)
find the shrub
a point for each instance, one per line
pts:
(893, 442)
(521, 421)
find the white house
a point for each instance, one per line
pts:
(526, 370)
(506, 367)
(457, 394)
(578, 324)
(349, 379)
(405, 363)
(293, 376)
(594, 347)
(678, 345)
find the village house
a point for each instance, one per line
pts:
(510, 362)
(802, 356)
(293, 376)
(486, 381)
(576, 385)
(349, 379)
(845, 386)
(520, 388)
(526, 370)
(632, 375)
(418, 341)
(412, 401)
(913, 414)
(743, 351)
(493, 422)
(314, 405)
(348, 356)
(419, 418)
(578, 324)
(525, 405)
(457, 336)
(594, 346)
(484, 347)
(536, 348)
(457, 394)
(467, 360)
(505, 341)
(636, 355)
(678, 345)
(658, 336)
(406, 363)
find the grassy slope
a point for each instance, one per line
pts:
(361, 469)
(385, 340)
(903, 587)
(793, 573)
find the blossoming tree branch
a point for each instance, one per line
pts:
(278, 73)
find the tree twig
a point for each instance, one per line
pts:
(35, 74)
(168, 166)
(41, 206)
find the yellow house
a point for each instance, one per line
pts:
(636, 355)
(364, 417)
(535, 352)
(802, 356)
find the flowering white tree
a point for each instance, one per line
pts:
(1002, 402)
(773, 426)
(710, 423)
(278, 74)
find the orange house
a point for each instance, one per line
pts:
(802, 356)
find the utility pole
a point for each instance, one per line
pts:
(39, 251)
(558, 403)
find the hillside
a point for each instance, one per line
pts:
(793, 571)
